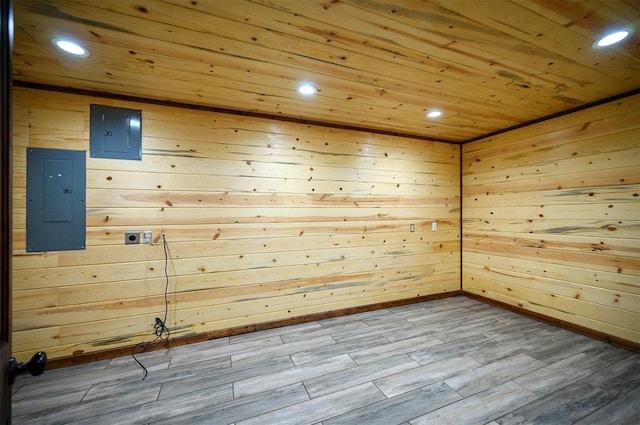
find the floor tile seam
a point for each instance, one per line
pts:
(379, 389)
(295, 364)
(543, 392)
(342, 320)
(48, 393)
(355, 365)
(542, 366)
(43, 409)
(495, 359)
(612, 399)
(225, 384)
(363, 406)
(234, 382)
(230, 348)
(533, 400)
(354, 352)
(279, 408)
(309, 398)
(519, 406)
(411, 328)
(420, 364)
(313, 347)
(37, 382)
(160, 392)
(388, 340)
(368, 378)
(80, 369)
(306, 389)
(247, 337)
(222, 363)
(548, 365)
(597, 410)
(441, 407)
(194, 348)
(462, 397)
(248, 361)
(619, 394)
(353, 360)
(186, 362)
(335, 341)
(412, 353)
(293, 367)
(321, 396)
(401, 372)
(169, 414)
(269, 333)
(507, 337)
(501, 381)
(93, 415)
(398, 342)
(171, 379)
(86, 393)
(312, 360)
(546, 360)
(323, 332)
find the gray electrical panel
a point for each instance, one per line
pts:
(56, 191)
(115, 133)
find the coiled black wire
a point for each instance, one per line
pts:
(160, 328)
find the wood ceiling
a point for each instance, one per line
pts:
(378, 64)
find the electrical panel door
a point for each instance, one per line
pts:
(115, 133)
(56, 191)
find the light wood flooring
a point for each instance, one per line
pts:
(450, 361)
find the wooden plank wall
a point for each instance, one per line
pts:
(551, 218)
(264, 220)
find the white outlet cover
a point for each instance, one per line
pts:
(434, 226)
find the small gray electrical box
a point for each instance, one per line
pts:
(115, 133)
(131, 238)
(56, 191)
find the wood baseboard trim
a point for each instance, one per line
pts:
(591, 333)
(205, 336)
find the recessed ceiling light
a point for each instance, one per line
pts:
(612, 38)
(70, 46)
(434, 113)
(307, 89)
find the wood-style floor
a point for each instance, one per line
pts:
(451, 361)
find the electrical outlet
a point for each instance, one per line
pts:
(146, 236)
(412, 228)
(434, 226)
(131, 238)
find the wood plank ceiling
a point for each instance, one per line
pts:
(378, 64)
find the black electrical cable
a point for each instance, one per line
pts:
(160, 328)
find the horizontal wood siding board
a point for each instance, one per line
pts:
(590, 276)
(545, 227)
